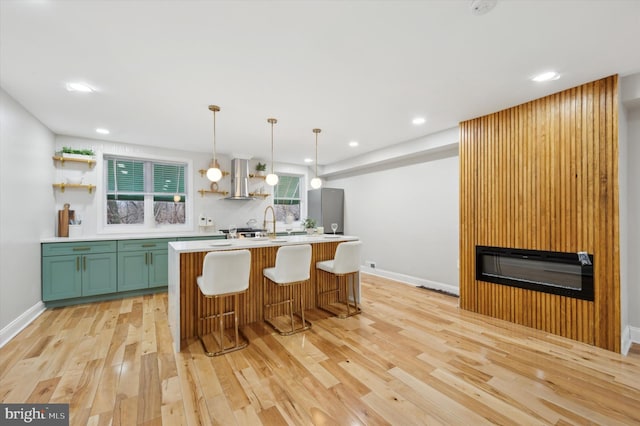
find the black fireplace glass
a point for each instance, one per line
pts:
(550, 272)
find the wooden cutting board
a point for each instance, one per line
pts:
(64, 217)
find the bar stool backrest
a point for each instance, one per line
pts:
(225, 272)
(347, 257)
(293, 263)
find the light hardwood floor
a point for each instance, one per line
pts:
(412, 357)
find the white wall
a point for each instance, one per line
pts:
(407, 218)
(26, 147)
(623, 191)
(224, 212)
(633, 214)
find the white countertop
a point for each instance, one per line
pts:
(104, 237)
(242, 243)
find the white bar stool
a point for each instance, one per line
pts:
(224, 273)
(346, 263)
(293, 264)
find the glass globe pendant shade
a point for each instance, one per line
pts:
(272, 179)
(176, 198)
(316, 183)
(214, 174)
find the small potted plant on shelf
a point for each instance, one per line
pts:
(261, 168)
(309, 225)
(68, 152)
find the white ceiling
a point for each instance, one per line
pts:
(359, 70)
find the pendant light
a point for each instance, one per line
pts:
(177, 197)
(272, 178)
(214, 174)
(316, 182)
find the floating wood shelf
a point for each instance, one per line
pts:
(89, 161)
(257, 176)
(203, 172)
(63, 186)
(208, 191)
(255, 194)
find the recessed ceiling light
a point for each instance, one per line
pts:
(418, 120)
(308, 160)
(353, 144)
(79, 87)
(480, 7)
(102, 131)
(546, 76)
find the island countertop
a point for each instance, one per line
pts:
(249, 243)
(185, 264)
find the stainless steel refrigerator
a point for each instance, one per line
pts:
(326, 206)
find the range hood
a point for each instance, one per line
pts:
(239, 180)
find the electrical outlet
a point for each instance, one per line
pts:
(370, 263)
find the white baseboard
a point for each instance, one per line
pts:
(18, 324)
(625, 343)
(630, 335)
(412, 281)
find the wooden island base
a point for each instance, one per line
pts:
(251, 303)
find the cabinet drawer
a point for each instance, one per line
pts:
(87, 247)
(150, 244)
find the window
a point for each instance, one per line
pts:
(286, 200)
(140, 191)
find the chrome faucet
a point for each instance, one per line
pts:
(264, 221)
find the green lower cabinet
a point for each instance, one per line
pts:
(133, 271)
(61, 277)
(99, 274)
(143, 264)
(142, 269)
(159, 268)
(98, 270)
(77, 275)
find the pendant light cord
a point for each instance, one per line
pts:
(178, 181)
(214, 108)
(316, 131)
(214, 138)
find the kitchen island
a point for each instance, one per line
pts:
(185, 264)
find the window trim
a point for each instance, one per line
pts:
(149, 226)
(302, 188)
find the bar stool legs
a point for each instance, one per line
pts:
(304, 324)
(344, 306)
(237, 342)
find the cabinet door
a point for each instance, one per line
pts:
(99, 274)
(61, 277)
(133, 270)
(158, 268)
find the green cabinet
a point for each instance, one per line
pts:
(143, 263)
(78, 269)
(77, 272)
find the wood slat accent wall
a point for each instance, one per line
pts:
(544, 176)
(251, 303)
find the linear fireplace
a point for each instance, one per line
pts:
(565, 274)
